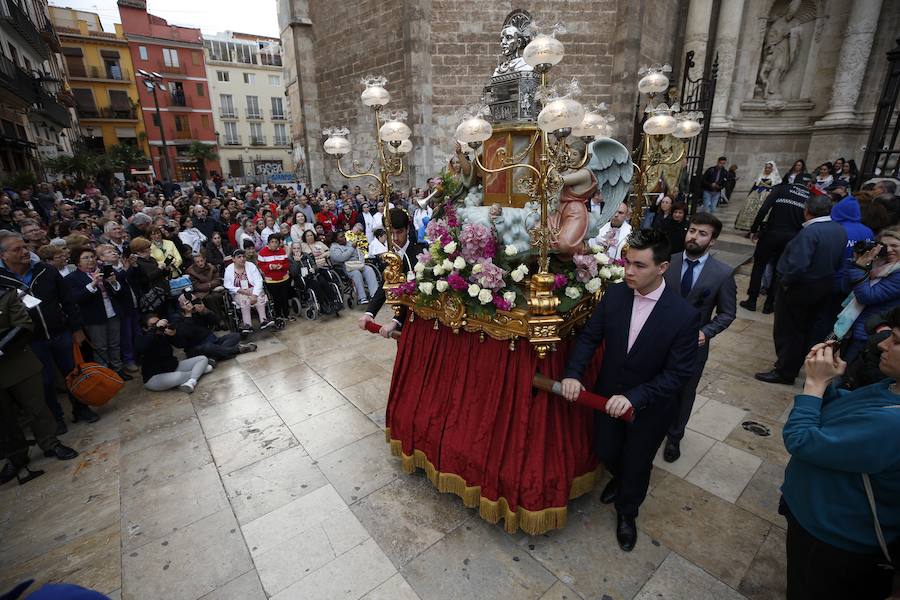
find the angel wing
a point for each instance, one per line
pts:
(611, 164)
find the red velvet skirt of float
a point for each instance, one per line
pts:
(464, 410)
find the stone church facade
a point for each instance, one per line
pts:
(797, 78)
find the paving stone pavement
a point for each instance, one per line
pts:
(273, 481)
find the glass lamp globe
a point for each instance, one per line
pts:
(654, 82)
(560, 113)
(336, 145)
(543, 50)
(375, 96)
(687, 128)
(474, 130)
(659, 124)
(394, 131)
(592, 125)
(404, 147)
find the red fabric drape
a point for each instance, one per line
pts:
(469, 407)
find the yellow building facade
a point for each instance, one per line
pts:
(102, 79)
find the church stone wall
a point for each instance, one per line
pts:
(465, 46)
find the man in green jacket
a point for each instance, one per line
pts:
(21, 385)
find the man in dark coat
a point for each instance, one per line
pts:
(806, 269)
(650, 334)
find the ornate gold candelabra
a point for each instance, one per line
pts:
(391, 135)
(661, 120)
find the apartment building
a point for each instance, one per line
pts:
(251, 116)
(102, 80)
(34, 105)
(184, 113)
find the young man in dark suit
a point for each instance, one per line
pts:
(408, 251)
(650, 333)
(707, 284)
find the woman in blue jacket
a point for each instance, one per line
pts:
(834, 437)
(874, 285)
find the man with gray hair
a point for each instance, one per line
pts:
(806, 271)
(140, 224)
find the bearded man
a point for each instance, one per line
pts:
(707, 284)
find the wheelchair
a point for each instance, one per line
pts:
(233, 313)
(347, 287)
(317, 290)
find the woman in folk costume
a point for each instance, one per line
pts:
(768, 177)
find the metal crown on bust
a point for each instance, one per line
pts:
(514, 36)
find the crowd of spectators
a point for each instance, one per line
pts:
(142, 278)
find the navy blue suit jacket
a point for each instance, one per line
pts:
(661, 360)
(91, 303)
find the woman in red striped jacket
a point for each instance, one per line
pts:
(275, 267)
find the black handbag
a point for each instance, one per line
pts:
(151, 300)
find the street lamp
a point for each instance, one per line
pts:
(392, 136)
(152, 80)
(661, 119)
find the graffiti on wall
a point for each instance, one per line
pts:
(267, 168)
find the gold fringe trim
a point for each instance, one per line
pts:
(531, 522)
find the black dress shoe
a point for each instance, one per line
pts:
(768, 308)
(60, 452)
(608, 495)
(83, 413)
(672, 452)
(774, 376)
(748, 304)
(626, 532)
(7, 473)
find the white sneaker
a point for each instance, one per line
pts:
(208, 370)
(188, 386)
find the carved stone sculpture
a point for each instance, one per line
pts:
(780, 47)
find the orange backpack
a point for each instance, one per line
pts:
(92, 383)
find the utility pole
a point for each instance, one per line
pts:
(152, 80)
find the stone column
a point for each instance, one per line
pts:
(731, 16)
(855, 49)
(300, 82)
(417, 38)
(696, 34)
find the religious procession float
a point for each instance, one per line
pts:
(507, 280)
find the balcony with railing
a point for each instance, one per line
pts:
(51, 108)
(100, 73)
(257, 140)
(162, 67)
(235, 140)
(179, 100)
(107, 112)
(279, 141)
(254, 114)
(228, 112)
(184, 134)
(19, 87)
(14, 16)
(279, 116)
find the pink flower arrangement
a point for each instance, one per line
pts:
(585, 267)
(424, 256)
(405, 289)
(490, 276)
(477, 242)
(560, 280)
(501, 302)
(438, 230)
(450, 211)
(456, 282)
